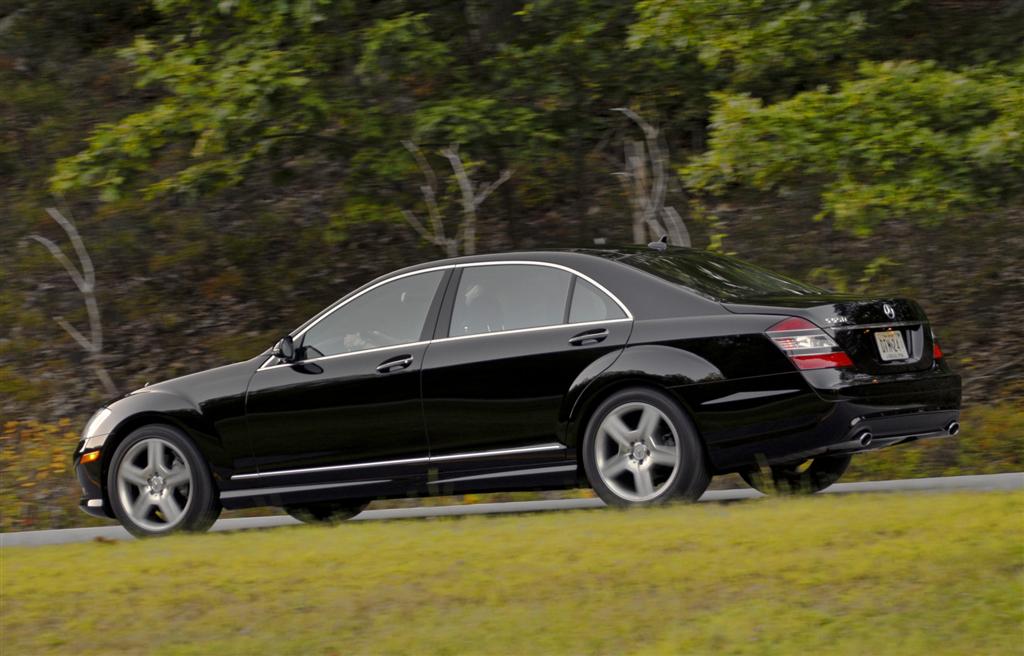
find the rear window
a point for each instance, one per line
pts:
(719, 277)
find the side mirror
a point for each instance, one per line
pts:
(285, 349)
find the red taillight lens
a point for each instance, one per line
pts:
(806, 345)
(823, 361)
(936, 351)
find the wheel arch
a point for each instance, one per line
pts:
(125, 428)
(188, 421)
(666, 369)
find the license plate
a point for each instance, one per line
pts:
(891, 346)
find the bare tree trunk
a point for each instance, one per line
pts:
(646, 183)
(472, 198)
(84, 277)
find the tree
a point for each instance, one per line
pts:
(645, 182)
(84, 277)
(473, 196)
(903, 140)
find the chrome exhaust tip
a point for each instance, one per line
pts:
(864, 439)
(953, 428)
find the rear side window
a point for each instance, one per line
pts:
(502, 297)
(591, 304)
(389, 315)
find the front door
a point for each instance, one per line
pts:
(349, 407)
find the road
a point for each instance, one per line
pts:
(991, 482)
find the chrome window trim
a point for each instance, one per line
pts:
(265, 366)
(332, 309)
(530, 330)
(622, 306)
(551, 446)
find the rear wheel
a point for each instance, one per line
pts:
(800, 477)
(329, 512)
(641, 449)
(158, 483)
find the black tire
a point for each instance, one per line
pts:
(326, 512)
(197, 500)
(686, 482)
(793, 478)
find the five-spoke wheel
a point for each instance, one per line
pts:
(154, 484)
(159, 483)
(641, 448)
(636, 451)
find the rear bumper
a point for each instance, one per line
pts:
(877, 431)
(843, 409)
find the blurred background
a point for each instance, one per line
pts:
(226, 169)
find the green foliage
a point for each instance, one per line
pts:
(776, 48)
(766, 44)
(903, 140)
(227, 100)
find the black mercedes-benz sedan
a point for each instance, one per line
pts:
(640, 372)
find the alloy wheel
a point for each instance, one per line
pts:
(154, 484)
(637, 451)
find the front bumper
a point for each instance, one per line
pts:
(90, 476)
(94, 507)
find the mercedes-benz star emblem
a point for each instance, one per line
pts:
(889, 312)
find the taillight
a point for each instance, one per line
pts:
(936, 351)
(806, 345)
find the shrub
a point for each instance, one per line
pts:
(991, 442)
(38, 488)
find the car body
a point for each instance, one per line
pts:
(481, 373)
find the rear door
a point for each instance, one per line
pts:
(512, 339)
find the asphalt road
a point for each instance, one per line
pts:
(991, 482)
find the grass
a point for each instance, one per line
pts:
(875, 574)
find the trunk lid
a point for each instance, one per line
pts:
(853, 323)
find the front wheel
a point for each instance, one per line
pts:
(800, 477)
(158, 483)
(641, 449)
(329, 512)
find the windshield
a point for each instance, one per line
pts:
(717, 276)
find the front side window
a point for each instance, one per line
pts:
(389, 315)
(509, 297)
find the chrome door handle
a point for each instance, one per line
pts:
(394, 364)
(589, 337)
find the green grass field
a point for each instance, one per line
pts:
(874, 574)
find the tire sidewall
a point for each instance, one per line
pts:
(691, 477)
(203, 504)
